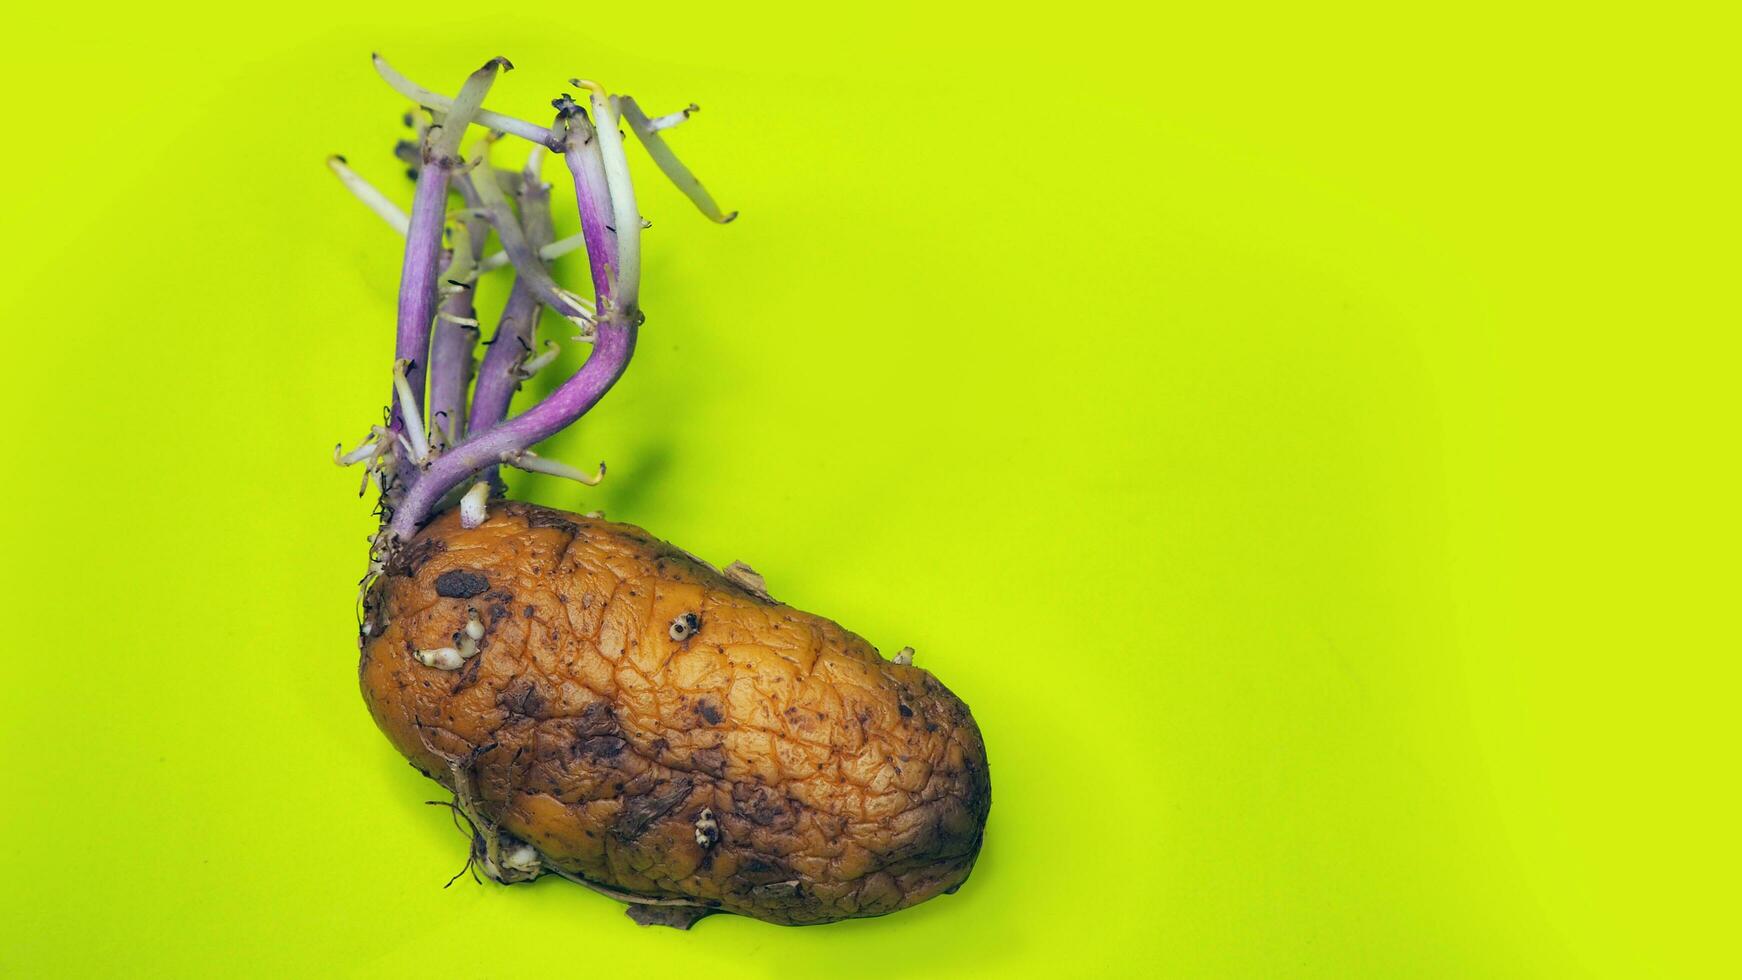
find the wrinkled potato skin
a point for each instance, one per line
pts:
(842, 784)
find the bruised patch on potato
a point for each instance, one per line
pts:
(522, 698)
(709, 761)
(601, 746)
(640, 811)
(764, 807)
(597, 718)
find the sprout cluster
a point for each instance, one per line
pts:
(447, 428)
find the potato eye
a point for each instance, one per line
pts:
(685, 626)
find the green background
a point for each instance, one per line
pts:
(1300, 435)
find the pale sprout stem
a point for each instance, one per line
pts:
(583, 319)
(417, 441)
(524, 256)
(534, 364)
(647, 132)
(625, 218)
(531, 462)
(474, 505)
(368, 448)
(491, 120)
(371, 197)
(555, 250)
(464, 109)
(667, 121)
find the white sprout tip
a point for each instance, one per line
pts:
(441, 658)
(370, 445)
(474, 506)
(523, 859)
(417, 447)
(576, 300)
(904, 657)
(466, 640)
(671, 119)
(536, 363)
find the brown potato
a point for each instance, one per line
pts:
(664, 732)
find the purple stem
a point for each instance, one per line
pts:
(450, 358)
(613, 345)
(610, 356)
(417, 290)
(423, 246)
(450, 355)
(593, 196)
(499, 376)
(522, 254)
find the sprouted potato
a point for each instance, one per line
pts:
(601, 705)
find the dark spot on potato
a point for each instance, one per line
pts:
(710, 712)
(540, 517)
(411, 558)
(763, 807)
(461, 583)
(906, 712)
(597, 718)
(710, 761)
(602, 746)
(522, 698)
(640, 811)
(777, 889)
(468, 675)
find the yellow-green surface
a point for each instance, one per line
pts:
(1303, 438)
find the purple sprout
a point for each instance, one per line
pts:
(433, 449)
